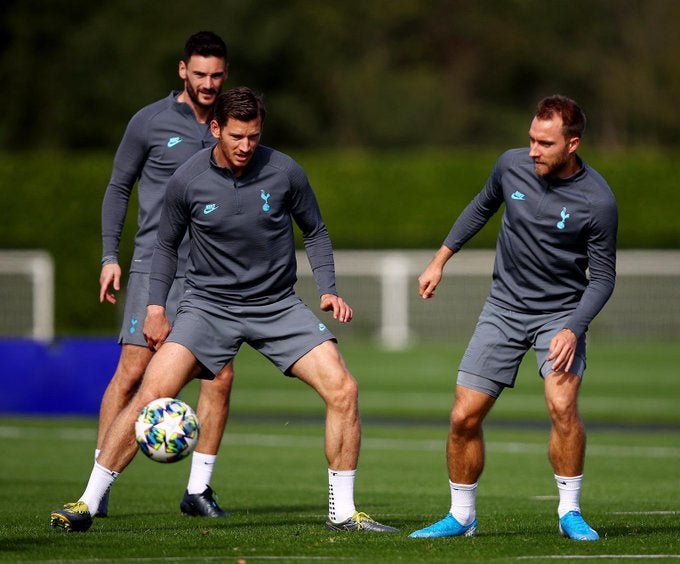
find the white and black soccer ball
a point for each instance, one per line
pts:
(167, 430)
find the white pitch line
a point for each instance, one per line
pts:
(599, 557)
(223, 558)
(306, 441)
(645, 512)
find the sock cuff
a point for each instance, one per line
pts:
(341, 473)
(203, 458)
(106, 471)
(464, 487)
(566, 483)
(568, 479)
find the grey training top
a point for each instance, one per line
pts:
(158, 139)
(242, 247)
(553, 231)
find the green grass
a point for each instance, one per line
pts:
(271, 471)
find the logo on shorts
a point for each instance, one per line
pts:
(565, 216)
(266, 207)
(133, 325)
(174, 141)
(209, 208)
(322, 327)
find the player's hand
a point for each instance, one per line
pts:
(156, 327)
(341, 310)
(432, 275)
(109, 281)
(429, 280)
(562, 350)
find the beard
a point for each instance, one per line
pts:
(194, 95)
(553, 168)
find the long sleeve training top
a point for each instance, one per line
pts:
(158, 139)
(556, 249)
(242, 247)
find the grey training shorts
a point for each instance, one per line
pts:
(283, 331)
(136, 297)
(500, 341)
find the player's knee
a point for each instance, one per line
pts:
(562, 406)
(565, 419)
(343, 394)
(127, 380)
(224, 377)
(131, 368)
(464, 422)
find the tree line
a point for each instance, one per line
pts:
(357, 73)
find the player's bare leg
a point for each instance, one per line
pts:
(324, 369)
(567, 445)
(213, 408)
(169, 371)
(465, 461)
(566, 451)
(123, 385)
(465, 444)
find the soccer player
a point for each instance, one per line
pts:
(239, 201)
(158, 139)
(555, 269)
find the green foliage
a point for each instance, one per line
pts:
(370, 199)
(385, 73)
(53, 201)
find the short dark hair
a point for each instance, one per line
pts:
(205, 44)
(573, 118)
(240, 103)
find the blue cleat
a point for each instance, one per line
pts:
(447, 527)
(573, 526)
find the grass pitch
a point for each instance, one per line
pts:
(271, 473)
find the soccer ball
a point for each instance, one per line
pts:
(167, 430)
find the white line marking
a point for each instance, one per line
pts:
(307, 441)
(598, 557)
(230, 558)
(645, 512)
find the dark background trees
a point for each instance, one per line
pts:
(396, 109)
(376, 73)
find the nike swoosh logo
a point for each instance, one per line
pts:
(209, 208)
(174, 141)
(518, 196)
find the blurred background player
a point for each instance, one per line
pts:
(555, 269)
(158, 139)
(241, 200)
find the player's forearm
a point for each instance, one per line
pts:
(441, 257)
(114, 210)
(320, 255)
(162, 275)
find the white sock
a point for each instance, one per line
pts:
(96, 454)
(463, 502)
(341, 495)
(201, 472)
(570, 490)
(100, 481)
